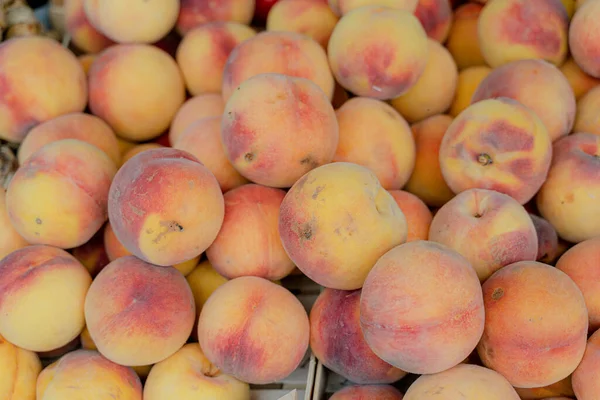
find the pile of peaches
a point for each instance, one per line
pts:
(434, 165)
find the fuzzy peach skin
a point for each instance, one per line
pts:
(376, 136)
(202, 139)
(536, 324)
(139, 313)
(463, 42)
(39, 80)
(538, 85)
(59, 195)
(83, 34)
(85, 127)
(412, 317)
(92, 254)
(138, 106)
(19, 369)
(585, 378)
(569, 197)
(418, 216)
(194, 13)
(554, 391)
(189, 375)
(436, 18)
(42, 291)
(434, 90)
(287, 53)
(184, 216)
(10, 240)
(426, 180)
(587, 112)
(134, 151)
(195, 109)
(468, 81)
(580, 82)
(547, 239)
(367, 392)
(138, 22)
(203, 53)
(584, 34)
(277, 127)
(378, 52)
(497, 144)
(511, 30)
(254, 330)
(336, 221)
(337, 341)
(343, 7)
(85, 374)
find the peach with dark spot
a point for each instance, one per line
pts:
(378, 52)
(463, 42)
(536, 324)
(554, 391)
(436, 18)
(367, 392)
(194, 13)
(195, 109)
(547, 239)
(92, 254)
(587, 112)
(418, 216)
(580, 82)
(343, 7)
(254, 330)
(83, 34)
(585, 378)
(19, 369)
(584, 34)
(10, 240)
(468, 81)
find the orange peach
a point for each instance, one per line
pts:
(254, 330)
(82, 33)
(138, 106)
(19, 369)
(553, 391)
(378, 52)
(571, 191)
(580, 82)
(547, 239)
(496, 144)
(86, 61)
(39, 80)
(418, 216)
(585, 378)
(125, 146)
(467, 83)
(367, 392)
(195, 109)
(343, 7)
(538, 85)
(134, 151)
(511, 30)
(92, 254)
(570, 6)
(185, 212)
(584, 34)
(436, 18)
(194, 13)
(587, 112)
(10, 240)
(463, 42)
(536, 324)
(42, 292)
(376, 136)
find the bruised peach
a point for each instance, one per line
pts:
(184, 216)
(585, 378)
(547, 239)
(468, 81)
(584, 34)
(367, 392)
(511, 30)
(92, 254)
(378, 52)
(194, 13)
(580, 82)
(546, 301)
(19, 369)
(497, 144)
(374, 135)
(343, 7)
(436, 18)
(418, 216)
(587, 112)
(463, 42)
(203, 53)
(39, 80)
(553, 391)
(134, 151)
(572, 188)
(195, 109)
(10, 240)
(83, 34)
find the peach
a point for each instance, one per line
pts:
(367, 392)
(587, 112)
(463, 42)
(436, 18)
(184, 216)
(277, 127)
(203, 53)
(547, 239)
(536, 324)
(187, 373)
(572, 188)
(139, 22)
(86, 374)
(426, 181)
(195, 109)
(92, 254)
(39, 80)
(85, 127)
(412, 318)
(467, 83)
(82, 33)
(138, 313)
(194, 13)
(376, 136)
(138, 106)
(511, 30)
(86, 61)
(497, 144)
(42, 291)
(337, 341)
(585, 378)
(59, 195)
(570, 6)
(336, 221)
(378, 52)
(134, 151)
(60, 351)
(553, 391)
(254, 330)
(580, 82)
(584, 34)
(125, 146)
(10, 240)
(434, 90)
(19, 369)
(343, 7)
(202, 139)
(533, 83)
(418, 216)
(285, 53)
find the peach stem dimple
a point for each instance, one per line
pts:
(484, 159)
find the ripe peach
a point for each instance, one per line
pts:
(203, 53)
(39, 80)
(83, 34)
(194, 13)
(138, 106)
(92, 254)
(587, 112)
(134, 151)
(378, 52)
(412, 318)
(572, 190)
(86, 61)
(60, 351)
(536, 324)
(336, 221)
(467, 83)
(585, 378)
(343, 7)
(276, 128)
(418, 216)
(195, 109)
(584, 34)
(547, 239)
(463, 42)
(580, 82)
(511, 30)
(374, 135)
(10, 240)
(553, 391)
(436, 18)
(367, 392)
(184, 216)
(254, 330)
(19, 369)
(496, 144)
